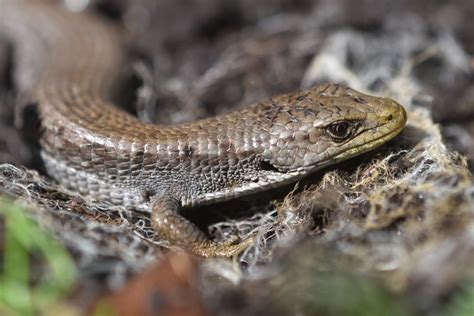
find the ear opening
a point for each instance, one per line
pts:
(267, 166)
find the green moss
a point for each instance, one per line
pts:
(36, 271)
(462, 304)
(339, 293)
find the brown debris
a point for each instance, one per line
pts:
(400, 217)
(167, 287)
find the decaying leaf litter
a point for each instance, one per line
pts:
(398, 220)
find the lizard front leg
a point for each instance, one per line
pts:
(179, 231)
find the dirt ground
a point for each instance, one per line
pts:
(388, 233)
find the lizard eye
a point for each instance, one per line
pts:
(339, 131)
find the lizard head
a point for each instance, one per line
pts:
(327, 124)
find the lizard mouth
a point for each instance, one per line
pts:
(357, 150)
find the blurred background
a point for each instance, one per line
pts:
(390, 233)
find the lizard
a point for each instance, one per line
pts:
(69, 64)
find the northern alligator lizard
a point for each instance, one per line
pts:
(69, 65)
